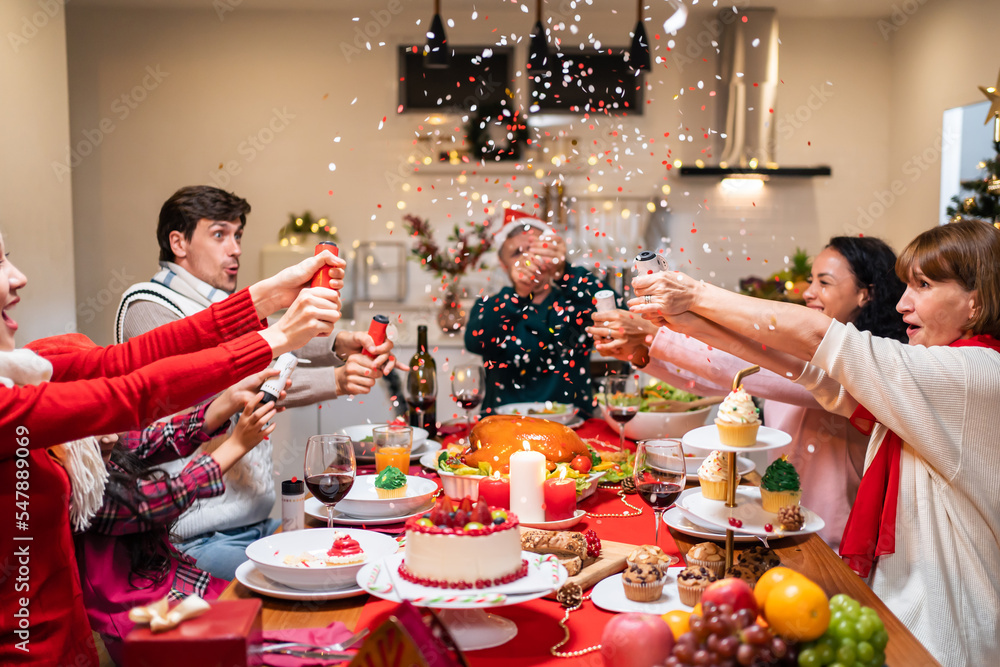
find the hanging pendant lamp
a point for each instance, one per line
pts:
(639, 53)
(538, 54)
(437, 53)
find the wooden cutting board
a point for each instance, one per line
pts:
(611, 560)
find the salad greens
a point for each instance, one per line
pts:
(658, 391)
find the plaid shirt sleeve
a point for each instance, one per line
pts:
(161, 500)
(171, 438)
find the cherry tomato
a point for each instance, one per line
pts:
(581, 463)
(505, 468)
(550, 465)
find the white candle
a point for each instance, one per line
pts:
(527, 477)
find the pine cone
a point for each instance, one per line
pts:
(570, 595)
(628, 485)
(791, 517)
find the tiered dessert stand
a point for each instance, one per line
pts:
(463, 611)
(706, 438)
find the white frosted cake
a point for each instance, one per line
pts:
(471, 547)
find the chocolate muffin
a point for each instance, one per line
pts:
(692, 582)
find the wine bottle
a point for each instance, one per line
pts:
(421, 387)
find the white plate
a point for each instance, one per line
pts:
(707, 437)
(248, 575)
(268, 555)
(558, 525)
(676, 519)
(362, 500)
(525, 410)
(317, 510)
(743, 466)
(609, 594)
(382, 578)
(748, 510)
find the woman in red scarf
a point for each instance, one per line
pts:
(72, 389)
(926, 524)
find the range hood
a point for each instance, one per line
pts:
(748, 66)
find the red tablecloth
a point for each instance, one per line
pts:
(537, 621)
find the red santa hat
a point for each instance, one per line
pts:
(517, 221)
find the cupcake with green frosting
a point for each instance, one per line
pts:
(779, 487)
(390, 483)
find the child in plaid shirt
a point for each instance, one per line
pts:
(125, 557)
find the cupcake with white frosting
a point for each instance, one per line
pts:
(713, 476)
(738, 420)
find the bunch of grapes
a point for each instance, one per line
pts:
(723, 638)
(856, 636)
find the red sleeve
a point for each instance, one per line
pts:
(56, 412)
(226, 320)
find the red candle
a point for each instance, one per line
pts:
(495, 491)
(560, 499)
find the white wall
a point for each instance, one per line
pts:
(222, 80)
(940, 54)
(35, 203)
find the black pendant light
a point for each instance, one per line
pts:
(538, 55)
(437, 53)
(638, 57)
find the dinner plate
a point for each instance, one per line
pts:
(609, 594)
(558, 525)
(317, 510)
(536, 410)
(248, 575)
(677, 520)
(707, 437)
(743, 466)
(748, 511)
(363, 501)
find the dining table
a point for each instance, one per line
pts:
(548, 633)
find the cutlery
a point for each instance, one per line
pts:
(340, 646)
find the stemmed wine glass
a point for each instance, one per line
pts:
(421, 390)
(660, 474)
(468, 387)
(622, 399)
(330, 469)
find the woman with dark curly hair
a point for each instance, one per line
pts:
(853, 280)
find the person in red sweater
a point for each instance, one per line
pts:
(76, 391)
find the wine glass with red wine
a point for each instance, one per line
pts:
(622, 399)
(468, 388)
(660, 474)
(330, 469)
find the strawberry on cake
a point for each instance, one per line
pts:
(469, 547)
(345, 551)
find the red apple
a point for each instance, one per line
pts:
(732, 591)
(636, 640)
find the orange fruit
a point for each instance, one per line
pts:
(768, 580)
(678, 620)
(697, 610)
(797, 609)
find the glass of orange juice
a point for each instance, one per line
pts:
(392, 447)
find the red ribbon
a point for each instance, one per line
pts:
(871, 527)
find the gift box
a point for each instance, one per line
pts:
(227, 635)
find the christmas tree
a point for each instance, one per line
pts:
(984, 201)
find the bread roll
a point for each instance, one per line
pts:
(496, 437)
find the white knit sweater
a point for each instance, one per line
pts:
(943, 581)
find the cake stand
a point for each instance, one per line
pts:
(463, 611)
(707, 438)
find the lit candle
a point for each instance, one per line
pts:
(495, 491)
(527, 474)
(560, 498)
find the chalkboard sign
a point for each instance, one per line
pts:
(478, 77)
